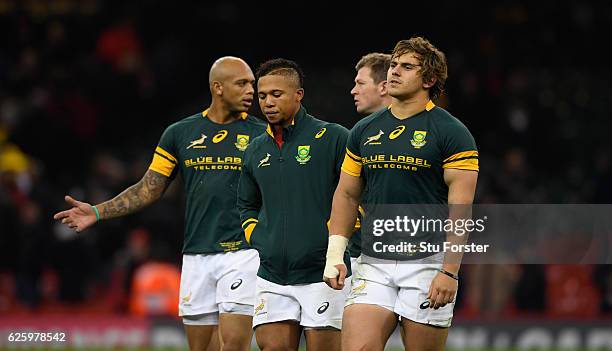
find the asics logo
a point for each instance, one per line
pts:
(219, 136)
(236, 284)
(323, 307)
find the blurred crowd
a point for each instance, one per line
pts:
(87, 87)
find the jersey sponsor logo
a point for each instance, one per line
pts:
(397, 132)
(425, 305)
(236, 284)
(198, 143)
(400, 162)
(264, 161)
(261, 308)
(242, 142)
(218, 163)
(303, 154)
(374, 139)
(320, 133)
(219, 136)
(418, 139)
(324, 306)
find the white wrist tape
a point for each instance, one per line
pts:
(335, 255)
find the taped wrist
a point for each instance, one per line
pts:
(335, 255)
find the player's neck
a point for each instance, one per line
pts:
(407, 108)
(289, 121)
(220, 114)
(384, 103)
(286, 123)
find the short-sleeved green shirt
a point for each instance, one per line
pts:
(209, 158)
(402, 161)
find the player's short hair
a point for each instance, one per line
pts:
(378, 64)
(282, 67)
(432, 60)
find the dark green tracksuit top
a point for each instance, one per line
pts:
(285, 198)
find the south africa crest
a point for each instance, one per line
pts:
(303, 154)
(418, 139)
(242, 141)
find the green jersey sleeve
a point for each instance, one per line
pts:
(459, 148)
(340, 145)
(352, 159)
(165, 156)
(249, 197)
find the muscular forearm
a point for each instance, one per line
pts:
(452, 260)
(461, 189)
(147, 190)
(343, 216)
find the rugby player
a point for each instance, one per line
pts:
(439, 165)
(370, 90)
(284, 197)
(219, 269)
(370, 95)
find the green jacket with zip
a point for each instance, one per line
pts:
(285, 198)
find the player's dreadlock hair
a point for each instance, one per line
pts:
(432, 60)
(378, 64)
(283, 67)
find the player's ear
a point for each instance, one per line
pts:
(299, 93)
(382, 88)
(429, 83)
(217, 88)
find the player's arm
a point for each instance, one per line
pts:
(249, 199)
(83, 215)
(346, 198)
(461, 188)
(149, 189)
(345, 205)
(342, 223)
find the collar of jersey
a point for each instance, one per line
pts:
(243, 115)
(299, 116)
(430, 105)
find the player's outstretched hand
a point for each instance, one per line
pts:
(80, 217)
(333, 279)
(442, 291)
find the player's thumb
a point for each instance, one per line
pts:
(342, 274)
(71, 201)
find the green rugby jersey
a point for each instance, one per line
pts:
(285, 198)
(403, 161)
(209, 157)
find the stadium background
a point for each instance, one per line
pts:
(87, 87)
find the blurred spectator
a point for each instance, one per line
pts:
(128, 259)
(155, 290)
